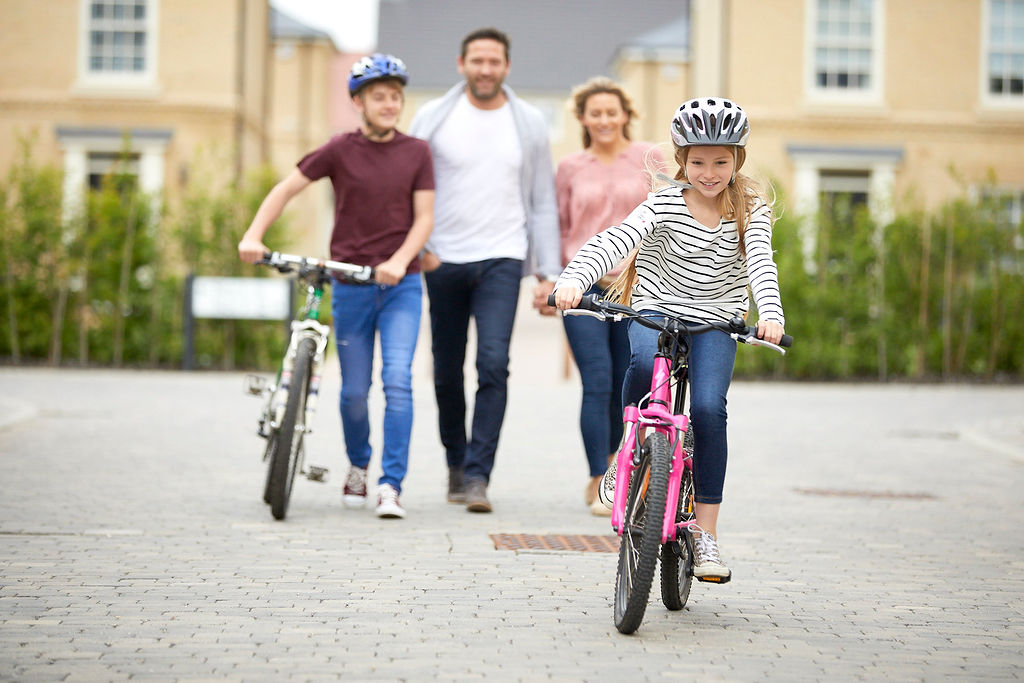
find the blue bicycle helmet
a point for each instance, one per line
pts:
(374, 68)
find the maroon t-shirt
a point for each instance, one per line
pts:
(373, 186)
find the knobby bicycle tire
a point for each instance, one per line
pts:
(284, 461)
(677, 557)
(641, 537)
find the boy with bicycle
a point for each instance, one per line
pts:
(384, 202)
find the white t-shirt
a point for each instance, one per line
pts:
(478, 206)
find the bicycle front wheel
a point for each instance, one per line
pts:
(641, 536)
(286, 456)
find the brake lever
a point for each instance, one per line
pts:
(754, 341)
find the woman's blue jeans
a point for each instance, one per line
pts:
(487, 291)
(601, 352)
(360, 312)
(712, 356)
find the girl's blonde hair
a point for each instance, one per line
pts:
(735, 202)
(597, 86)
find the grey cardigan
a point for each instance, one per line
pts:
(537, 174)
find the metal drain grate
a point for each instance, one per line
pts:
(577, 542)
(891, 495)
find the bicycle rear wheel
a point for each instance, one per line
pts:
(677, 557)
(641, 536)
(285, 460)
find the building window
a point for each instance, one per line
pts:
(844, 48)
(118, 46)
(99, 165)
(842, 193)
(1005, 54)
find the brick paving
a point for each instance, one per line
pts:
(874, 533)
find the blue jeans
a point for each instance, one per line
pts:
(360, 311)
(487, 291)
(601, 352)
(712, 356)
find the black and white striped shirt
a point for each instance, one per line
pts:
(685, 268)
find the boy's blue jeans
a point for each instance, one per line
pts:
(360, 312)
(712, 356)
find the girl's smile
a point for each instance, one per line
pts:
(710, 169)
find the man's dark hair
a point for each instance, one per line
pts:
(488, 34)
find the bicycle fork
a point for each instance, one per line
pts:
(674, 427)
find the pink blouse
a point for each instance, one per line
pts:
(593, 196)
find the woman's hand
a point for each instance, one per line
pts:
(540, 297)
(567, 297)
(769, 331)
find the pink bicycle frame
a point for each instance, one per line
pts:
(656, 415)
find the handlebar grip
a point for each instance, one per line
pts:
(551, 299)
(786, 341)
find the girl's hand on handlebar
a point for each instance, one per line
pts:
(251, 250)
(567, 297)
(770, 331)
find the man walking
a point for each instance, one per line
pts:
(495, 213)
(384, 199)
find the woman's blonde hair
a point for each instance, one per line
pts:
(597, 86)
(735, 202)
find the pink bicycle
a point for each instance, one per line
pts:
(653, 508)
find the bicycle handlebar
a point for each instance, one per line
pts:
(286, 263)
(594, 306)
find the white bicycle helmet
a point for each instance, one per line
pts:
(710, 121)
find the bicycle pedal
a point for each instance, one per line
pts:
(255, 385)
(318, 474)
(715, 579)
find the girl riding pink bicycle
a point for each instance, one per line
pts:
(700, 242)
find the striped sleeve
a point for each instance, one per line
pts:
(762, 273)
(602, 252)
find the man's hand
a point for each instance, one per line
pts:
(540, 297)
(429, 261)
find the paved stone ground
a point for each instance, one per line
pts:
(875, 532)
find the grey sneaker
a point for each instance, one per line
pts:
(606, 491)
(476, 496)
(456, 486)
(708, 564)
(354, 495)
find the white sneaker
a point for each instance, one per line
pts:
(606, 490)
(354, 495)
(708, 564)
(388, 506)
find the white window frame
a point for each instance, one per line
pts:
(810, 160)
(988, 98)
(872, 95)
(78, 143)
(142, 82)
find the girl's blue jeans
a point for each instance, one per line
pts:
(601, 352)
(712, 356)
(360, 312)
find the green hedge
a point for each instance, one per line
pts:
(928, 296)
(106, 287)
